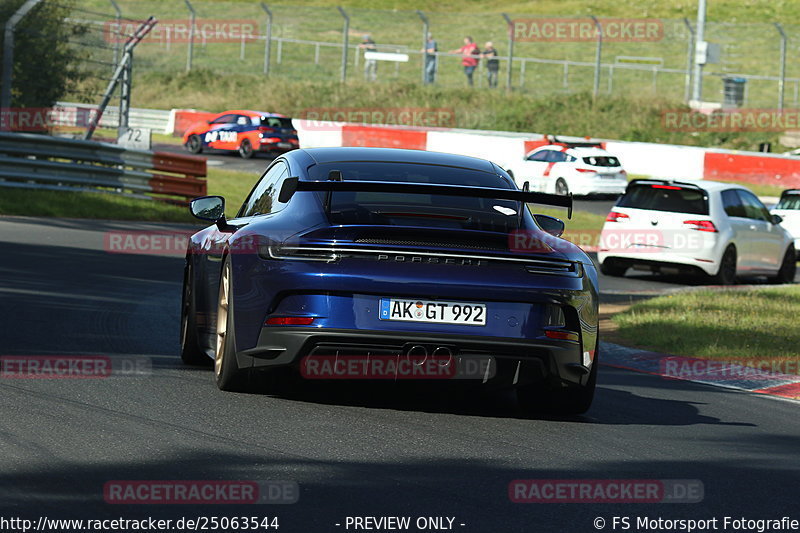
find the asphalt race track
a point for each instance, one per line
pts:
(354, 451)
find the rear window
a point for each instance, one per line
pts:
(666, 198)
(602, 161)
(274, 122)
(789, 201)
(426, 210)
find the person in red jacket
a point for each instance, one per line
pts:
(469, 57)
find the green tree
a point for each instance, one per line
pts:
(47, 64)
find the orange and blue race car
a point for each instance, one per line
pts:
(246, 132)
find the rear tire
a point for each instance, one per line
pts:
(561, 187)
(191, 351)
(246, 149)
(227, 374)
(726, 275)
(610, 269)
(788, 267)
(573, 400)
(194, 144)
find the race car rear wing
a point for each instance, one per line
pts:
(293, 185)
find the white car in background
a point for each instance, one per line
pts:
(788, 208)
(580, 168)
(718, 229)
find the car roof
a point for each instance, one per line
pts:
(251, 113)
(578, 151)
(398, 155)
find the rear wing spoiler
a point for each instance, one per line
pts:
(292, 185)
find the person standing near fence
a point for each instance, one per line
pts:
(492, 63)
(469, 57)
(431, 47)
(370, 65)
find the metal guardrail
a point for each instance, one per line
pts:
(154, 119)
(34, 161)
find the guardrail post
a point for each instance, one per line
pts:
(689, 53)
(125, 93)
(598, 56)
(268, 40)
(345, 37)
(425, 31)
(190, 52)
(8, 53)
(510, 50)
(782, 80)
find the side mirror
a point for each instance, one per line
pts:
(552, 225)
(777, 219)
(210, 208)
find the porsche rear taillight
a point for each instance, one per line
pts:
(289, 321)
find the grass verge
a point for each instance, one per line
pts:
(737, 324)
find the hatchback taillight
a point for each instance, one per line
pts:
(585, 170)
(701, 225)
(615, 216)
(265, 129)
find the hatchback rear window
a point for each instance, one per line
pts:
(789, 201)
(601, 161)
(666, 198)
(275, 122)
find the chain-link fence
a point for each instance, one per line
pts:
(306, 43)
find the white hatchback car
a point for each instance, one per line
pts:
(580, 168)
(719, 229)
(788, 208)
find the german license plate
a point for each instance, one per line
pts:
(433, 312)
(284, 145)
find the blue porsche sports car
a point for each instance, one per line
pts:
(372, 263)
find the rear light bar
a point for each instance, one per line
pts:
(585, 170)
(290, 320)
(615, 216)
(701, 225)
(670, 187)
(266, 129)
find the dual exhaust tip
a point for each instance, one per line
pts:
(419, 354)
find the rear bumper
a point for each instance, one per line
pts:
(514, 362)
(582, 186)
(662, 262)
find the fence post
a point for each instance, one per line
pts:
(192, 17)
(8, 54)
(425, 31)
(345, 37)
(697, 82)
(689, 52)
(268, 40)
(782, 81)
(117, 37)
(598, 56)
(125, 93)
(510, 49)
